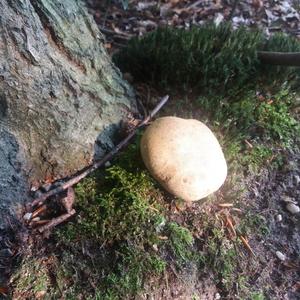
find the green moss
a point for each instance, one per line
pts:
(120, 208)
(220, 255)
(276, 121)
(180, 241)
(128, 278)
(257, 296)
(255, 127)
(253, 223)
(204, 57)
(121, 213)
(247, 115)
(31, 279)
(207, 56)
(256, 157)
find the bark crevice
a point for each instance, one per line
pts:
(53, 38)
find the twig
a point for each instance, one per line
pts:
(40, 200)
(280, 58)
(236, 209)
(162, 237)
(167, 283)
(225, 205)
(38, 211)
(249, 144)
(38, 222)
(195, 4)
(230, 225)
(121, 34)
(246, 244)
(56, 221)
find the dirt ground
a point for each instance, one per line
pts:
(269, 192)
(119, 24)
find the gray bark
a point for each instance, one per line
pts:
(61, 99)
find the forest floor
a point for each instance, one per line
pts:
(135, 241)
(119, 24)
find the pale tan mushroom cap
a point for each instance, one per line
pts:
(184, 156)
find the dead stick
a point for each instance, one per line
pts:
(230, 225)
(246, 244)
(225, 205)
(38, 211)
(280, 58)
(56, 221)
(97, 164)
(38, 222)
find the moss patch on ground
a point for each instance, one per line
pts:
(128, 233)
(205, 58)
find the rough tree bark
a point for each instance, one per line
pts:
(61, 99)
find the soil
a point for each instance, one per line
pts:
(269, 192)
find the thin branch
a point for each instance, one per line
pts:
(246, 244)
(40, 200)
(291, 59)
(56, 221)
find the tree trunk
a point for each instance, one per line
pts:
(61, 99)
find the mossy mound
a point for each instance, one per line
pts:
(207, 57)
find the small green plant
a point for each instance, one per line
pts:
(221, 257)
(128, 276)
(257, 296)
(256, 157)
(120, 211)
(32, 278)
(181, 241)
(278, 123)
(254, 223)
(265, 121)
(116, 210)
